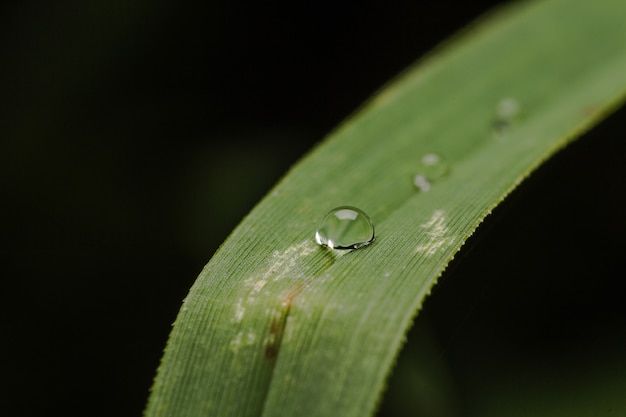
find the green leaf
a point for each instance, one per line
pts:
(277, 325)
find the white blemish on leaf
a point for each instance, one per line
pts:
(282, 264)
(235, 344)
(239, 310)
(258, 286)
(436, 231)
(241, 340)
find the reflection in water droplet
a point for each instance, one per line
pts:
(430, 168)
(345, 227)
(506, 112)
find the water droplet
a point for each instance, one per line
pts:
(507, 108)
(506, 112)
(430, 168)
(345, 227)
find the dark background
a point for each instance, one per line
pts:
(134, 137)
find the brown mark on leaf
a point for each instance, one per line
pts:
(279, 321)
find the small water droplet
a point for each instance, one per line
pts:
(345, 227)
(430, 168)
(507, 111)
(507, 108)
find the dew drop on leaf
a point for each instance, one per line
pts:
(507, 108)
(431, 167)
(345, 227)
(507, 111)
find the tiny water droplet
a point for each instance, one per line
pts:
(430, 168)
(506, 112)
(507, 108)
(345, 227)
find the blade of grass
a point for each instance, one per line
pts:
(276, 325)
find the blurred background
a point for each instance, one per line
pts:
(136, 135)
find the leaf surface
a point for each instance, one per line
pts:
(277, 325)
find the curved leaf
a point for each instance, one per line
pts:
(278, 326)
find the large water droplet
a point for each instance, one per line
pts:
(430, 168)
(345, 227)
